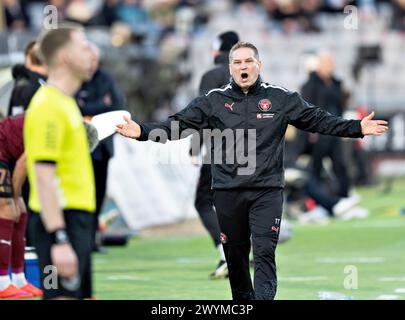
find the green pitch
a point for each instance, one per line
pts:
(367, 254)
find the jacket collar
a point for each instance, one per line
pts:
(252, 89)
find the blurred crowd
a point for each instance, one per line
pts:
(159, 16)
(321, 189)
(140, 15)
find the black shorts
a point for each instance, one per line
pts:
(78, 227)
(6, 188)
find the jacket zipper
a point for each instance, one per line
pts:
(247, 114)
(246, 126)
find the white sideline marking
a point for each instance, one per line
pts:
(382, 224)
(400, 290)
(100, 261)
(302, 279)
(190, 260)
(392, 279)
(127, 278)
(387, 297)
(352, 260)
(185, 260)
(391, 168)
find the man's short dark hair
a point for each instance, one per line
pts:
(244, 45)
(51, 41)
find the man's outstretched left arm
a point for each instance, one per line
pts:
(304, 116)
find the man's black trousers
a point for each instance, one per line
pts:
(332, 147)
(204, 204)
(100, 178)
(245, 215)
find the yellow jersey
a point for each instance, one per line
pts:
(54, 131)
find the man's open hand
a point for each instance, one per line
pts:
(130, 129)
(373, 127)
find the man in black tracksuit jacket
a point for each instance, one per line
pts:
(324, 90)
(28, 77)
(248, 195)
(98, 95)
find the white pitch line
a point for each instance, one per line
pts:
(382, 224)
(387, 297)
(302, 279)
(392, 279)
(190, 260)
(100, 261)
(126, 278)
(400, 290)
(351, 260)
(328, 295)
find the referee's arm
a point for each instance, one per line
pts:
(62, 255)
(51, 213)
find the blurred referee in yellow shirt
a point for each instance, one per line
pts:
(59, 166)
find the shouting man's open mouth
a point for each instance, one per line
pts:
(244, 76)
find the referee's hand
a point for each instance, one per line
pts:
(373, 127)
(65, 260)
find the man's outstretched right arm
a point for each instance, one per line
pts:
(195, 116)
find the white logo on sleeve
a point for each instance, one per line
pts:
(5, 242)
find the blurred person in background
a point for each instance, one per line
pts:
(309, 10)
(27, 79)
(291, 16)
(2, 18)
(286, 16)
(398, 15)
(134, 14)
(325, 90)
(60, 6)
(109, 12)
(335, 206)
(336, 6)
(204, 203)
(98, 95)
(16, 15)
(13, 212)
(246, 4)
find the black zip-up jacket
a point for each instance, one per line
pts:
(266, 108)
(90, 98)
(26, 84)
(217, 77)
(328, 96)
